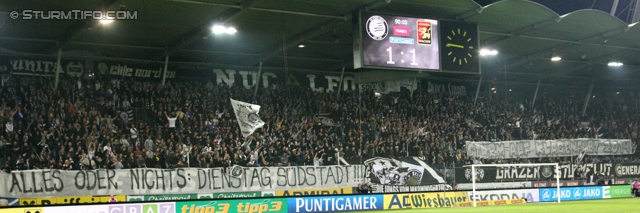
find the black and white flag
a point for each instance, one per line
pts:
(247, 115)
(403, 172)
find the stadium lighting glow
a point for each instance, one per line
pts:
(106, 21)
(556, 58)
(487, 52)
(218, 29)
(615, 64)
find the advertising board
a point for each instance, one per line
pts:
(424, 200)
(69, 200)
(313, 192)
(623, 191)
(168, 207)
(21, 210)
(571, 193)
(335, 203)
(493, 202)
(531, 195)
(268, 205)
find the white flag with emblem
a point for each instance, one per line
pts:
(247, 115)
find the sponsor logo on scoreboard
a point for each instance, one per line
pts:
(403, 31)
(424, 32)
(398, 40)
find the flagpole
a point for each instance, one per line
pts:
(257, 80)
(360, 119)
(341, 79)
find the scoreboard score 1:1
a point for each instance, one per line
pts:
(399, 42)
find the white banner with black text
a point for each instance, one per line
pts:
(549, 148)
(44, 183)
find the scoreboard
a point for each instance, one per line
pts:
(408, 43)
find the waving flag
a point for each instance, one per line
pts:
(247, 115)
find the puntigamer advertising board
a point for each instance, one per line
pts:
(335, 203)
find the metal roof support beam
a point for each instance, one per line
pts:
(604, 35)
(467, 14)
(208, 3)
(536, 55)
(311, 34)
(299, 13)
(297, 39)
(521, 31)
(590, 62)
(79, 26)
(636, 12)
(258, 9)
(203, 30)
(614, 7)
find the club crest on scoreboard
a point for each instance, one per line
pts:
(377, 28)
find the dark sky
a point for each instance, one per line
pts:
(566, 6)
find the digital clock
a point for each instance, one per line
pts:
(387, 41)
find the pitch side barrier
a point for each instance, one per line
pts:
(344, 203)
(297, 204)
(585, 193)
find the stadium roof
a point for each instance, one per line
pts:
(525, 33)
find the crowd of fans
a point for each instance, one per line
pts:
(86, 124)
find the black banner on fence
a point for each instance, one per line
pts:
(532, 173)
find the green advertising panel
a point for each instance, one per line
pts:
(240, 195)
(167, 197)
(261, 205)
(173, 197)
(617, 191)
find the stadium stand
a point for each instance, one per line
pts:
(96, 122)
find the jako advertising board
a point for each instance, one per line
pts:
(270, 205)
(571, 193)
(335, 203)
(532, 195)
(424, 200)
